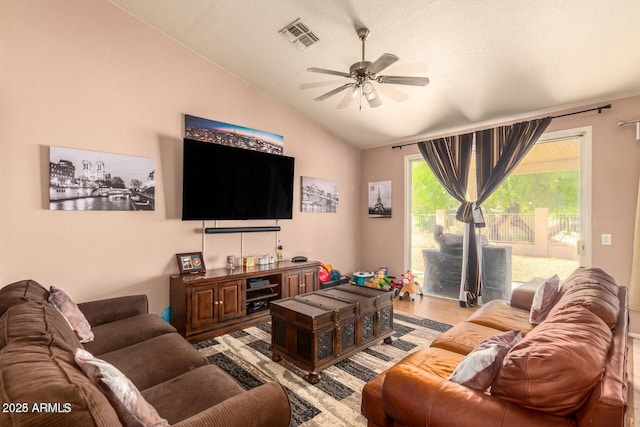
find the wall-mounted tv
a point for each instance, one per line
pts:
(228, 183)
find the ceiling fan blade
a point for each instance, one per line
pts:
(333, 92)
(320, 84)
(371, 94)
(325, 71)
(403, 80)
(419, 67)
(348, 97)
(393, 93)
(381, 63)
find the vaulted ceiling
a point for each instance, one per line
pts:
(487, 61)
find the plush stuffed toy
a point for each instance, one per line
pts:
(380, 281)
(410, 286)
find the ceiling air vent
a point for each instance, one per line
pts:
(299, 35)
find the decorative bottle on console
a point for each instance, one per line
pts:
(279, 253)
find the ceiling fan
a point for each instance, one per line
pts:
(364, 73)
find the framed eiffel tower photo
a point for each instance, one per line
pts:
(379, 199)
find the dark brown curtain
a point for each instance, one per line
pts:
(498, 152)
(450, 160)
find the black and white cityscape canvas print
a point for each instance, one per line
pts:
(380, 199)
(319, 195)
(82, 180)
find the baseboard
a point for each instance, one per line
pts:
(634, 335)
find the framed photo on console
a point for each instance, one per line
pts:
(191, 262)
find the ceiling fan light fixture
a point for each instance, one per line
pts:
(371, 95)
(363, 73)
(374, 101)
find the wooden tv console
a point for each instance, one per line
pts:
(221, 301)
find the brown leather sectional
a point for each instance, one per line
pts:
(570, 370)
(41, 385)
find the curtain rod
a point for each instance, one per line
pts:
(599, 109)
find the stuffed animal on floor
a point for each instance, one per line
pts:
(410, 286)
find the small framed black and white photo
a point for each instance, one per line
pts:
(191, 262)
(380, 199)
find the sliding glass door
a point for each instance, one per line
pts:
(540, 215)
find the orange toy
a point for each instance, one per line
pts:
(410, 286)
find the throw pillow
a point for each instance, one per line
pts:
(131, 407)
(72, 313)
(543, 299)
(478, 368)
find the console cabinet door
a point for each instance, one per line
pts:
(310, 279)
(204, 306)
(301, 281)
(232, 299)
(293, 283)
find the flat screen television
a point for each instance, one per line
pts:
(228, 183)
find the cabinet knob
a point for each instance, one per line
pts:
(220, 302)
(216, 303)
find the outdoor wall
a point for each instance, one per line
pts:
(615, 173)
(84, 74)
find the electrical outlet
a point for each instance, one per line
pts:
(606, 239)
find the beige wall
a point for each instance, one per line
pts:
(84, 74)
(615, 173)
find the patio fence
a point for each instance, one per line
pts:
(537, 234)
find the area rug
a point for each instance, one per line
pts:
(335, 400)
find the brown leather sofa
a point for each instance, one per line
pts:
(569, 370)
(41, 385)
